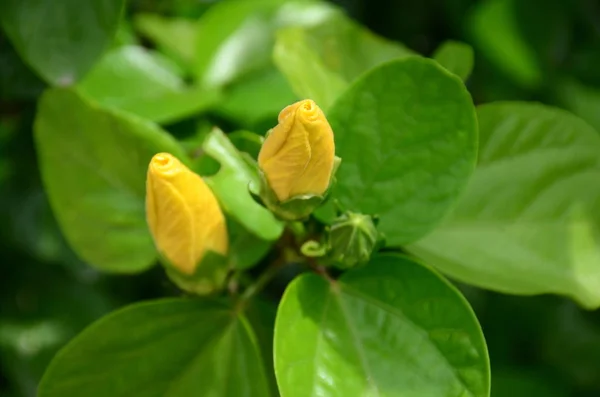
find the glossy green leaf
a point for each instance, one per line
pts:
(320, 61)
(60, 39)
(456, 57)
(237, 37)
(392, 328)
(529, 221)
(495, 31)
(407, 136)
(132, 79)
(176, 37)
(230, 185)
(170, 347)
(93, 164)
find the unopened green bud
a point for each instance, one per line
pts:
(352, 239)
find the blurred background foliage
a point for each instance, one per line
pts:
(534, 50)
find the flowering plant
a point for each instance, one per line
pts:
(312, 244)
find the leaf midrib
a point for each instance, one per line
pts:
(346, 288)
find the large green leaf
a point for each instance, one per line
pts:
(529, 221)
(320, 61)
(457, 57)
(60, 39)
(132, 79)
(93, 164)
(407, 136)
(230, 185)
(392, 328)
(170, 347)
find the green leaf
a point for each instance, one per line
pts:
(456, 57)
(257, 98)
(230, 185)
(132, 79)
(62, 39)
(261, 315)
(392, 328)
(246, 141)
(175, 37)
(93, 164)
(237, 37)
(529, 221)
(306, 73)
(245, 248)
(494, 28)
(407, 136)
(581, 99)
(171, 347)
(320, 61)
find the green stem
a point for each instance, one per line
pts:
(258, 285)
(298, 229)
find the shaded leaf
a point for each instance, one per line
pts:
(494, 29)
(212, 351)
(320, 61)
(456, 57)
(93, 164)
(176, 37)
(529, 220)
(60, 40)
(237, 37)
(132, 79)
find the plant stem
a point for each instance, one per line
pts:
(258, 285)
(298, 229)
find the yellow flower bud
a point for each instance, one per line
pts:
(298, 155)
(183, 214)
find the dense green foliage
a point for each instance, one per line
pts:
(468, 129)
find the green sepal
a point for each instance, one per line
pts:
(296, 208)
(209, 277)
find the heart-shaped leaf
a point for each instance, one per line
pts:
(93, 163)
(407, 136)
(170, 347)
(391, 328)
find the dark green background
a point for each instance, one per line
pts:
(539, 346)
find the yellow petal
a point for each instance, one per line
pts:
(297, 157)
(183, 214)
